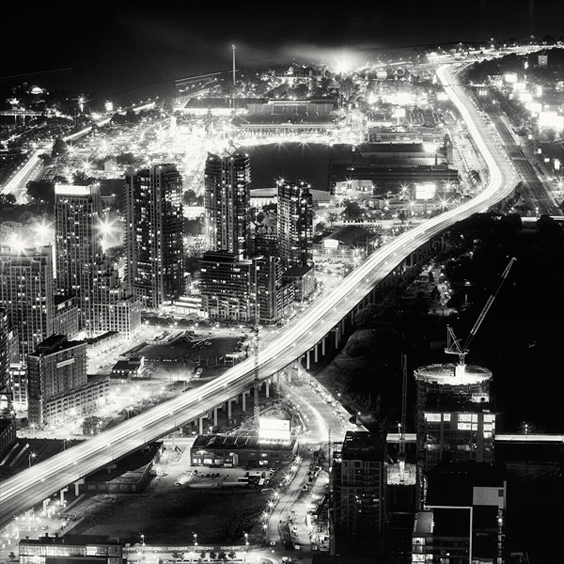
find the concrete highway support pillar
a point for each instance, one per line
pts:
(244, 400)
(215, 416)
(62, 498)
(323, 345)
(201, 424)
(267, 388)
(229, 408)
(316, 352)
(337, 336)
(307, 360)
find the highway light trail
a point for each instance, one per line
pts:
(31, 486)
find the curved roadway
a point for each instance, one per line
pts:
(31, 486)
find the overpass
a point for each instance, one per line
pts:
(303, 336)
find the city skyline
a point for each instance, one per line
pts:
(134, 52)
(279, 292)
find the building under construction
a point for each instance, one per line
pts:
(453, 414)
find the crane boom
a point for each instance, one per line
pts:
(453, 344)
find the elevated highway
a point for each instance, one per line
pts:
(32, 485)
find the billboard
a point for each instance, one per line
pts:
(425, 190)
(271, 429)
(551, 119)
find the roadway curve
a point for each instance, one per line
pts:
(31, 486)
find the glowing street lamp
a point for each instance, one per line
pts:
(31, 456)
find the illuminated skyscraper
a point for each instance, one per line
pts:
(227, 202)
(26, 293)
(83, 270)
(295, 224)
(154, 234)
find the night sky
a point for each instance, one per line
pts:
(112, 49)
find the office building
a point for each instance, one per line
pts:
(154, 234)
(89, 549)
(67, 316)
(227, 202)
(463, 515)
(358, 481)
(7, 419)
(243, 290)
(78, 245)
(295, 224)
(5, 359)
(26, 294)
(57, 367)
(83, 270)
(227, 287)
(454, 414)
(273, 297)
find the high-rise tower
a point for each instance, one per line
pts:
(227, 202)
(26, 293)
(295, 224)
(83, 270)
(154, 234)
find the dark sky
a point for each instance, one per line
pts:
(111, 47)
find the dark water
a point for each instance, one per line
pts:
(295, 162)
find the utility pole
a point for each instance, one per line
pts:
(257, 367)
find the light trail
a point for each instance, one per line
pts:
(31, 486)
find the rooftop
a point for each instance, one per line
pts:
(363, 445)
(238, 442)
(76, 540)
(452, 374)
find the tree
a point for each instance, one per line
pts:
(352, 211)
(332, 217)
(189, 197)
(41, 191)
(60, 148)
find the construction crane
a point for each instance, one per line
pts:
(403, 407)
(453, 344)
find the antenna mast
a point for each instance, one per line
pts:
(233, 48)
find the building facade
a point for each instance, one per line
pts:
(154, 234)
(295, 224)
(83, 269)
(57, 367)
(227, 202)
(462, 520)
(26, 293)
(227, 287)
(358, 482)
(89, 549)
(453, 414)
(243, 290)
(78, 242)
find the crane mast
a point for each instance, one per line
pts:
(453, 343)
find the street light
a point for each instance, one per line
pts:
(30, 457)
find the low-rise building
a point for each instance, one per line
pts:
(90, 549)
(243, 450)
